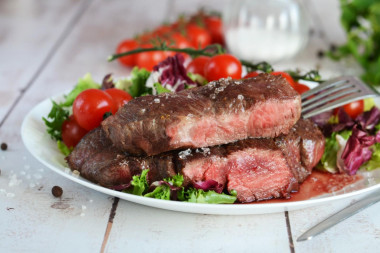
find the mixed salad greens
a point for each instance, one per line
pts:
(172, 188)
(351, 144)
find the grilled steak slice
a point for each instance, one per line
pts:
(256, 169)
(303, 148)
(99, 161)
(202, 164)
(218, 113)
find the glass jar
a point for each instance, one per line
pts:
(271, 30)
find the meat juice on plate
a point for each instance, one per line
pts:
(318, 184)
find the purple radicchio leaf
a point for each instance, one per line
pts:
(322, 119)
(107, 82)
(345, 122)
(209, 185)
(357, 150)
(173, 75)
(369, 119)
(377, 137)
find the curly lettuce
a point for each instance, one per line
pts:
(54, 121)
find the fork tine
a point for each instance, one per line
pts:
(331, 91)
(336, 103)
(329, 99)
(323, 86)
(335, 93)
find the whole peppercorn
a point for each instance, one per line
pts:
(320, 54)
(4, 146)
(57, 191)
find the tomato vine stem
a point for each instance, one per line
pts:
(215, 49)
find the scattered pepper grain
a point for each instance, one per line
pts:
(320, 54)
(57, 191)
(4, 146)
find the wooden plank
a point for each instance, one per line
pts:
(141, 229)
(29, 31)
(359, 233)
(32, 219)
(81, 217)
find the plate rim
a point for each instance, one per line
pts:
(218, 209)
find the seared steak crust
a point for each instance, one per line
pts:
(218, 113)
(257, 169)
(303, 148)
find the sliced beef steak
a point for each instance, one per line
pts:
(100, 162)
(202, 164)
(218, 113)
(303, 148)
(256, 169)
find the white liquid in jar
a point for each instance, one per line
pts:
(262, 44)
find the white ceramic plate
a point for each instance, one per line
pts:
(39, 143)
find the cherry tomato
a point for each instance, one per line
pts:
(300, 88)
(119, 98)
(198, 36)
(179, 41)
(144, 38)
(148, 60)
(214, 26)
(90, 106)
(221, 66)
(162, 30)
(286, 76)
(124, 46)
(72, 133)
(251, 74)
(353, 109)
(197, 65)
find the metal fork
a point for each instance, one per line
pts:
(334, 93)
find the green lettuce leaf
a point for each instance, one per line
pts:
(160, 192)
(377, 127)
(328, 160)
(139, 184)
(374, 163)
(138, 79)
(329, 157)
(83, 84)
(160, 89)
(63, 148)
(163, 191)
(57, 115)
(368, 104)
(197, 78)
(176, 180)
(209, 197)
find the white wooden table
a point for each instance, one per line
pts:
(45, 46)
